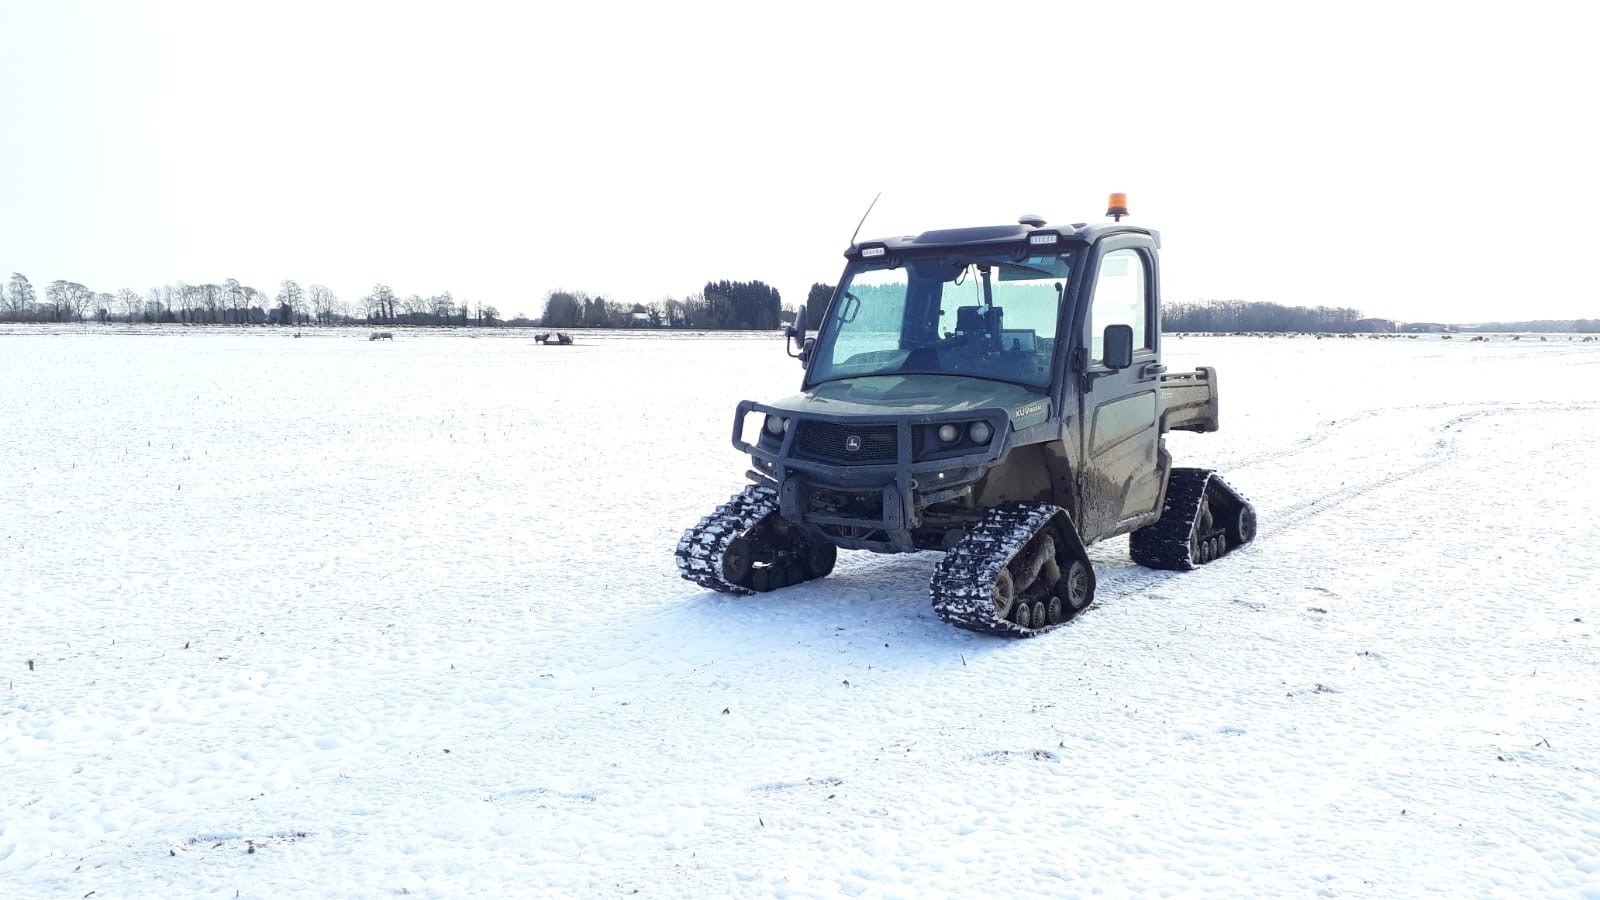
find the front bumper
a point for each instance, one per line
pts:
(873, 505)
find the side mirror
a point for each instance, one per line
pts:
(1117, 348)
(797, 334)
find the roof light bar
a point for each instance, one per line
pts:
(873, 252)
(1043, 239)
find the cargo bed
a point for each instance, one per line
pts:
(1189, 400)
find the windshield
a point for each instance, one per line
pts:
(957, 315)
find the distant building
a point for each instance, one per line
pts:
(1379, 326)
(1425, 328)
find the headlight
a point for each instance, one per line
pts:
(980, 432)
(777, 425)
(949, 433)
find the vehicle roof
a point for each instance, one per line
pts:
(999, 235)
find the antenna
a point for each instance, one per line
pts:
(864, 219)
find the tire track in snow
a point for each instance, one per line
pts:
(1445, 448)
(1332, 428)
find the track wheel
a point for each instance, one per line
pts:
(1076, 588)
(819, 559)
(1242, 530)
(736, 561)
(1005, 595)
(1023, 615)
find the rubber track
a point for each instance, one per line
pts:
(1168, 542)
(962, 589)
(701, 547)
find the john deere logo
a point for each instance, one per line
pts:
(852, 443)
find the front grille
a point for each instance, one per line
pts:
(827, 441)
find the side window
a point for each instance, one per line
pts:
(1121, 297)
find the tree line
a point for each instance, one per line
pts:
(751, 305)
(1237, 315)
(382, 305)
(231, 303)
(1585, 326)
(747, 305)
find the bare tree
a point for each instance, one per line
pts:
(210, 294)
(291, 299)
(382, 300)
(56, 295)
(443, 307)
(232, 298)
(675, 312)
(254, 301)
(78, 300)
(67, 300)
(126, 303)
(322, 303)
(190, 298)
(21, 297)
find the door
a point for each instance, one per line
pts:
(1119, 484)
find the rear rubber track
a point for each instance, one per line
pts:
(1203, 519)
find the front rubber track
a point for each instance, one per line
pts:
(1019, 572)
(745, 547)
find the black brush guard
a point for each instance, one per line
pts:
(875, 504)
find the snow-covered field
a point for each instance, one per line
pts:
(328, 617)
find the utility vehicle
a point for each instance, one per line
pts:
(996, 393)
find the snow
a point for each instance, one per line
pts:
(331, 617)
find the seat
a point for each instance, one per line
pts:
(980, 320)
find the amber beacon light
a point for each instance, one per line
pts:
(1117, 207)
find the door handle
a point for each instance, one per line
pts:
(1152, 370)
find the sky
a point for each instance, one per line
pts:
(1426, 162)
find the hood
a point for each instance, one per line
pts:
(899, 395)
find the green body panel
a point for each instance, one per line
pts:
(898, 395)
